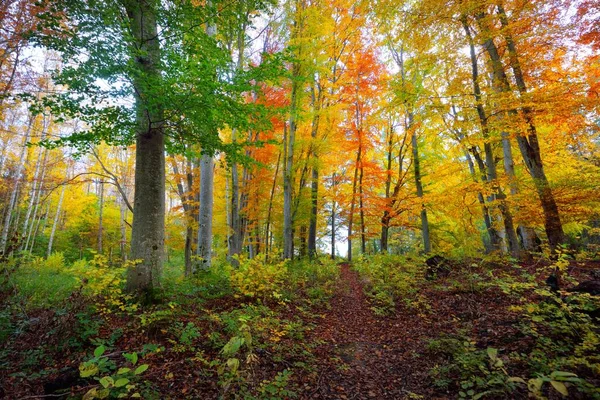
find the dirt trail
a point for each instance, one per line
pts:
(361, 356)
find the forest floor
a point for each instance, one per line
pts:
(363, 356)
(376, 329)
(360, 356)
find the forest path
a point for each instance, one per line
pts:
(361, 356)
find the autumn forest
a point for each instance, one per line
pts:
(280, 199)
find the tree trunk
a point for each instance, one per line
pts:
(56, 219)
(419, 185)
(270, 209)
(14, 194)
(147, 232)
(123, 228)
(333, 231)
(36, 200)
(289, 141)
(288, 234)
(207, 177)
(314, 184)
(100, 218)
(528, 143)
(353, 201)
(204, 249)
(361, 204)
(480, 198)
(492, 175)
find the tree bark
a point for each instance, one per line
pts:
(492, 175)
(207, 177)
(147, 233)
(529, 146)
(419, 185)
(56, 219)
(15, 191)
(100, 218)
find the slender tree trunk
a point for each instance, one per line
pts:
(56, 219)
(100, 218)
(288, 229)
(528, 143)
(314, 184)
(207, 177)
(123, 241)
(39, 226)
(270, 208)
(353, 201)
(386, 218)
(333, 227)
(361, 204)
(419, 185)
(15, 191)
(492, 232)
(204, 250)
(148, 227)
(480, 198)
(288, 223)
(36, 199)
(492, 177)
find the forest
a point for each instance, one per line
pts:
(300, 199)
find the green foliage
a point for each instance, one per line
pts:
(112, 382)
(43, 282)
(389, 279)
(277, 388)
(315, 279)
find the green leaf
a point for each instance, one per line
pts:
(122, 371)
(562, 373)
(107, 381)
(121, 382)
(99, 351)
(87, 370)
(560, 387)
(134, 358)
(492, 353)
(90, 394)
(516, 379)
(535, 383)
(103, 393)
(233, 364)
(140, 370)
(136, 395)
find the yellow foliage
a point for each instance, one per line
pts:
(256, 278)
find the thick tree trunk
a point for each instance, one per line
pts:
(147, 233)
